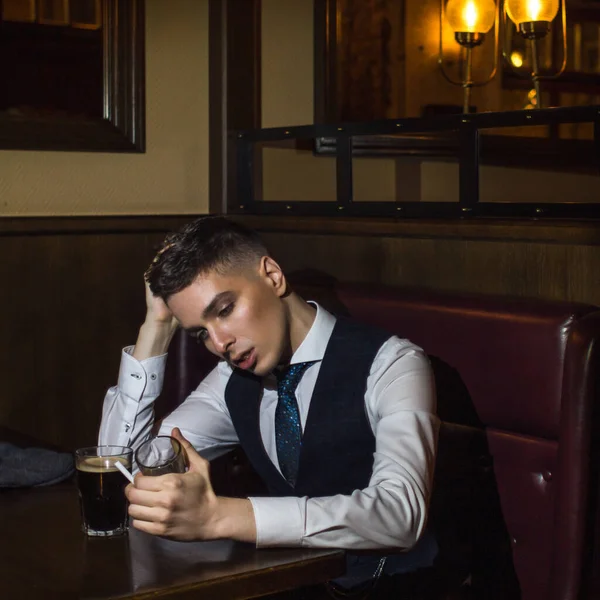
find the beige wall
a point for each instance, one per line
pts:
(172, 176)
(287, 62)
(439, 183)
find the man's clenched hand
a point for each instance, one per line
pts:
(183, 506)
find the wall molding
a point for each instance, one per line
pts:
(560, 231)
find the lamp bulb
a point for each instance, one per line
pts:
(532, 11)
(471, 16)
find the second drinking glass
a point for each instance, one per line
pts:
(160, 455)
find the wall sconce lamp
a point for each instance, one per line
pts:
(533, 19)
(470, 20)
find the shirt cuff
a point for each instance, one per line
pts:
(138, 379)
(279, 521)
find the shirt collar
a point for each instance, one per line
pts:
(315, 343)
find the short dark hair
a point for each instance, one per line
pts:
(206, 244)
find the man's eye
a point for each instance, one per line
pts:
(200, 335)
(225, 312)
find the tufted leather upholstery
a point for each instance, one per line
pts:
(515, 503)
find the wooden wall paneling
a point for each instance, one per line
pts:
(493, 267)
(537, 270)
(70, 303)
(572, 232)
(346, 258)
(72, 291)
(583, 275)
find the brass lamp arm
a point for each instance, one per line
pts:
(496, 48)
(505, 42)
(441, 49)
(564, 37)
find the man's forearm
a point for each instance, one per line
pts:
(153, 339)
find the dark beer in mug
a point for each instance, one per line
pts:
(102, 489)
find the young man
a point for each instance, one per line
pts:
(337, 417)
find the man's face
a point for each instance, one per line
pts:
(240, 317)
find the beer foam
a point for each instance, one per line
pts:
(102, 464)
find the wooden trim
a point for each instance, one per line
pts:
(566, 155)
(244, 98)
(124, 70)
(217, 86)
(91, 225)
(235, 90)
(243, 44)
(325, 97)
(558, 232)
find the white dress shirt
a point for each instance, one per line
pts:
(400, 405)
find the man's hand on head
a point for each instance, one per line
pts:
(157, 330)
(157, 310)
(183, 506)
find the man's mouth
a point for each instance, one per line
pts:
(246, 360)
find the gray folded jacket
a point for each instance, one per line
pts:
(28, 467)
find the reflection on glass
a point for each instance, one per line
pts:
(52, 69)
(18, 10)
(54, 12)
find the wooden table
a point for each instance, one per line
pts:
(44, 555)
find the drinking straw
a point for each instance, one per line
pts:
(123, 470)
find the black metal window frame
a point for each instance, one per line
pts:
(467, 128)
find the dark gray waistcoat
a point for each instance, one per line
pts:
(337, 443)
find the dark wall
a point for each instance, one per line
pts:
(72, 297)
(535, 259)
(71, 290)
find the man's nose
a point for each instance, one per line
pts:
(221, 340)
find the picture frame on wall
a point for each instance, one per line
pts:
(53, 12)
(22, 11)
(70, 90)
(86, 14)
(359, 60)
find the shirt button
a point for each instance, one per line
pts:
(136, 375)
(153, 376)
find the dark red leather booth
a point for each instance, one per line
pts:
(515, 504)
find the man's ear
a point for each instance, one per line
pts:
(272, 273)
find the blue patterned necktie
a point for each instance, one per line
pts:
(288, 430)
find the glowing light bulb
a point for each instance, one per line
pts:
(529, 11)
(471, 16)
(534, 8)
